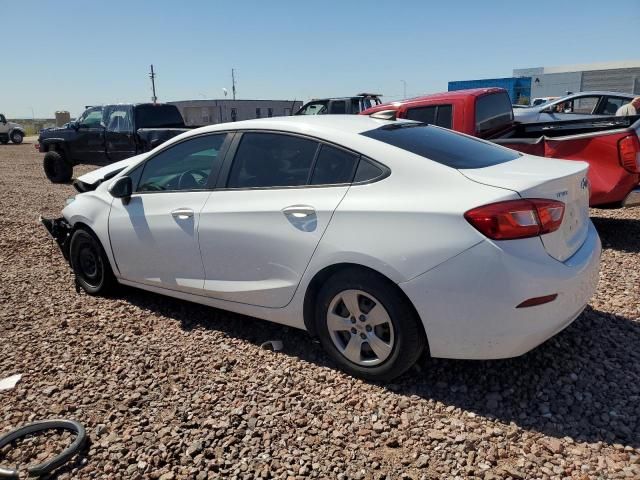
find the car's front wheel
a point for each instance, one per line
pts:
(90, 264)
(17, 137)
(367, 326)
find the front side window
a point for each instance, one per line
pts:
(315, 108)
(272, 160)
(333, 165)
(581, 105)
(91, 118)
(185, 166)
(443, 146)
(119, 119)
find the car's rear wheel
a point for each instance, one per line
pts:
(90, 264)
(57, 168)
(17, 137)
(367, 326)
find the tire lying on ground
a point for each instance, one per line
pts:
(17, 137)
(56, 167)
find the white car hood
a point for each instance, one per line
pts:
(99, 174)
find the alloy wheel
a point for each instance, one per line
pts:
(360, 328)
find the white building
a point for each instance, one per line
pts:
(557, 81)
(208, 112)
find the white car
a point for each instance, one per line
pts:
(574, 107)
(10, 131)
(384, 238)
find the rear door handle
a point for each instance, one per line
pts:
(299, 211)
(182, 213)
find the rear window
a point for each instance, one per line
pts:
(158, 116)
(493, 112)
(443, 146)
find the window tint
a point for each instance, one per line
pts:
(435, 114)
(367, 171)
(493, 111)
(422, 114)
(185, 166)
(339, 106)
(272, 160)
(443, 118)
(612, 104)
(442, 146)
(333, 166)
(158, 116)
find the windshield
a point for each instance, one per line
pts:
(441, 145)
(158, 116)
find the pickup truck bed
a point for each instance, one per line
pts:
(610, 145)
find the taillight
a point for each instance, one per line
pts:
(517, 218)
(629, 152)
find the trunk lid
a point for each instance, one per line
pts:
(537, 177)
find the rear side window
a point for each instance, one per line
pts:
(158, 116)
(435, 115)
(367, 171)
(339, 106)
(443, 146)
(333, 166)
(272, 160)
(493, 112)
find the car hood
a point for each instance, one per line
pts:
(90, 181)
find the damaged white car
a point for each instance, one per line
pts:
(383, 238)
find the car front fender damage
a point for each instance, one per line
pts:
(60, 230)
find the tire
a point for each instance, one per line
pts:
(400, 331)
(90, 264)
(56, 167)
(17, 137)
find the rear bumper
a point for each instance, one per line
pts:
(633, 199)
(60, 230)
(467, 304)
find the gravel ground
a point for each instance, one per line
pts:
(169, 389)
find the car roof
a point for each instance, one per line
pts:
(474, 92)
(305, 124)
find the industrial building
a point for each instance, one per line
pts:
(209, 112)
(536, 82)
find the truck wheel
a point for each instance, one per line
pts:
(17, 137)
(56, 167)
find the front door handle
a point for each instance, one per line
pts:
(299, 211)
(182, 213)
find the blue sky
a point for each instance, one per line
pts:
(63, 55)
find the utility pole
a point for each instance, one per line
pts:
(405, 88)
(152, 76)
(233, 83)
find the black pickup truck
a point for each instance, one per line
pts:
(107, 134)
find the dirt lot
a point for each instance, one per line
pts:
(169, 389)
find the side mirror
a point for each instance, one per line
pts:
(121, 188)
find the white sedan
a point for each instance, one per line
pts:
(383, 238)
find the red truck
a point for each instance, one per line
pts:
(610, 145)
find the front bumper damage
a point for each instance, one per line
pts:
(60, 230)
